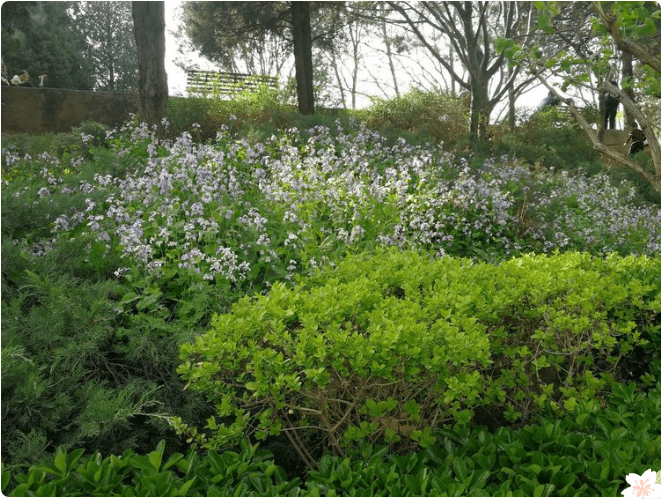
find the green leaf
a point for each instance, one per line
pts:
(143, 463)
(605, 471)
(6, 476)
(183, 491)
(642, 427)
(647, 29)
(172, 460)
(60, 460)
(412, 408)
(618, 433)
(580, 419)
(535, 468)
(74, 457)
(46, 490)
(270, 469)
(128, 298)
(480, 479)
(156, 457)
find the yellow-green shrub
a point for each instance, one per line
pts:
(389, 347)
(431, 115)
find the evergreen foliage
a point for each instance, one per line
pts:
(110, 44)
(111, 262)
(41, 37)
(386, 348)
(586, 453)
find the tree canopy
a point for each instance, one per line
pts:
(110, 45)
(631, 28)
(471, 28)
(42, 38)
(262, 35)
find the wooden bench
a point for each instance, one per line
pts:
(201, 82)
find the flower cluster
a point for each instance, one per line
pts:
(233, 211)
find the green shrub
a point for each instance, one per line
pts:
(551, 138)
(587, 453)
(182, 112)
(81, 364)
(62, 378)
(387, 348)
(628, 179)
(79, 142)
(251, 113)
(426, 116)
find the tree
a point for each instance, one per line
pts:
(471, 28)
(339, 59)
(347, 55)
(149, 32)
(221, 30)
(630, 27)
(223, 33)
(107, 27)
(41, 38)
(302, 35)
(389, 54)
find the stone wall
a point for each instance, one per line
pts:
(38, 110)
(615, 140)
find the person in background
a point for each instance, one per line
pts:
(610, 109)
(549, 101)
(637, 139)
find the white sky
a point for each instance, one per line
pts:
(177, 76)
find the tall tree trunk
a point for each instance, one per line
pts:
(340, 83)
(480, 111)
(511, 99)
(476, 64)
(627, 72)
(108, 49)
(149, 32)
(602, 116)
(303, 56)
(391, 64)
(355, 43)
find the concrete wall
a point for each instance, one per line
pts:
(615, 140)
(38, 110)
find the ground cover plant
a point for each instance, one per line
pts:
(586, 453)
(117, 248)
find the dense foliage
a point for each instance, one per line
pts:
(42, 38)
(621, 32)
(587, 453)
(433, 115)
(118, 247)
(110, 44)
(386, 348)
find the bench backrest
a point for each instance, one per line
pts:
(226, 83)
